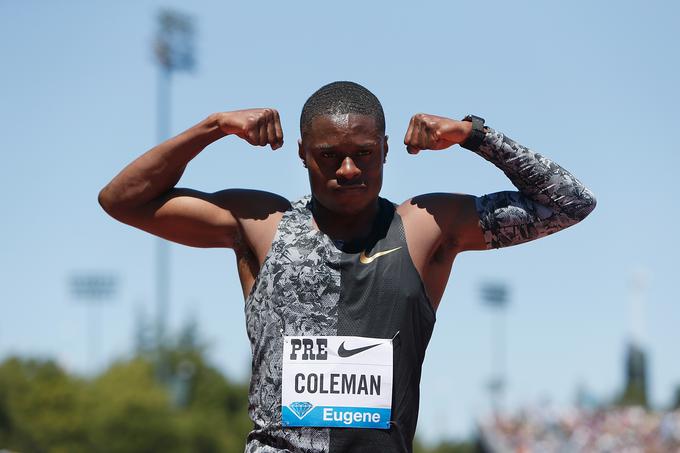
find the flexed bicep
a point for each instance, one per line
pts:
(199, 219)
(510, 218)
(549, 199)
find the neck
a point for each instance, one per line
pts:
(345, 227)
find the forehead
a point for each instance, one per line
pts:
(341, 127)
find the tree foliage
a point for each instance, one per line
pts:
(41, 407)
(675, 405)
(168, 400)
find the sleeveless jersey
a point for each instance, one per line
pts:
(308, 285)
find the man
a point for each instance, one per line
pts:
(342, 287)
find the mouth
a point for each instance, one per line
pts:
(350, 188)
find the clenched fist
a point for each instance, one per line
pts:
(259, 127)
(434, 132)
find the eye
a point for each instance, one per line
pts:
(328, 154)
(364, 152)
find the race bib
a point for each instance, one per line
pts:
(336, 382)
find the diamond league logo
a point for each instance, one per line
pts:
(301, 408)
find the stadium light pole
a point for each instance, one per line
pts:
(174, 51)
(495, 296)
(93, 288)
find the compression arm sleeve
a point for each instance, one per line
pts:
(549, 198)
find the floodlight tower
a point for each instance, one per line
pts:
(94, 288)
(174, 51)
(495, 296)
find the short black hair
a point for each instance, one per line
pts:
(342, 97)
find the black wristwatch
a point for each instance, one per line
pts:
(477, 135)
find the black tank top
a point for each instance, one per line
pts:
(309, 285)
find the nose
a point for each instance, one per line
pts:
(348, 170)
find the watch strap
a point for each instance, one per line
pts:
(477, 134)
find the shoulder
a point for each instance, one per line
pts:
(258, 213)
(438, 206)
(439, 219)
(252, 204)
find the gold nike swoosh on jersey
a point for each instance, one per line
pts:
(369, 259)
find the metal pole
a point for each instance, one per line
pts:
(93, 337)
(499, 365)
(162, 246)
(495, 296)
(173, 49)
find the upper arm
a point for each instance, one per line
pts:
(501, 219)
(200, 219)
(509, 218)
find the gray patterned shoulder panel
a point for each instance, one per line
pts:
(549, 198)
(295, 293)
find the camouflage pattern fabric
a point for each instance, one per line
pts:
(296, 293)
(550, 198)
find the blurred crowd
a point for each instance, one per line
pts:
(624, 430)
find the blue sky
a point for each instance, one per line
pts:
(592, 85)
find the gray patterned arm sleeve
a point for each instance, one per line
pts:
(549, 198)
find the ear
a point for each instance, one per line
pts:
(385, 149)
(301, 151)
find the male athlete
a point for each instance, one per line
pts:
(341, 287)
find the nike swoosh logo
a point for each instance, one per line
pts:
(369, 259)
(342, 352)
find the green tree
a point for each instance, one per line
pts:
(676, 399)
(635, 388)
(167, 399)
(40, 408)
(130, 411)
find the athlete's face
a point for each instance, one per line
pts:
(344, 155)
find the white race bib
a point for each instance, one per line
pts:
(338, 382)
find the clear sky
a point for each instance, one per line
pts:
(592, 85)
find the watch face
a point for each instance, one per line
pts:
(472, 118)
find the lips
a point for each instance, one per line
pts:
(350, 187)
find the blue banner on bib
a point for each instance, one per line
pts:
(301, 413)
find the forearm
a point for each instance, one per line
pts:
(159, 169)
(549, 199)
